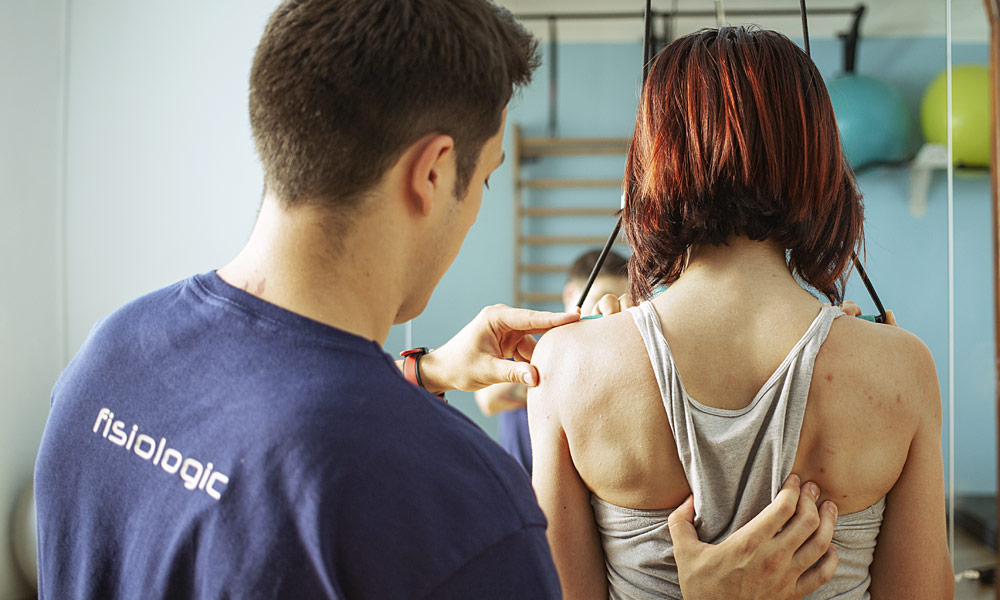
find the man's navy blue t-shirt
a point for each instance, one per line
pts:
(207, 444)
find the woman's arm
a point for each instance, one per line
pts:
(911, 558)
(564, 498)
(501, 397)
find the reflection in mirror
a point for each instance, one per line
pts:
(972, 320)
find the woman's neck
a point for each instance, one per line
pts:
(739, 256)
(743, 268)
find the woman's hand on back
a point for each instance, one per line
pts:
(610, 304)
(853, 310)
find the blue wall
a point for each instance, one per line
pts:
(907, 256)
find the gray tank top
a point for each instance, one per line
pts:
(735, 462)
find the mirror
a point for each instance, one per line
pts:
(971, 393)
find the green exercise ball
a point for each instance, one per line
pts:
(970, 114)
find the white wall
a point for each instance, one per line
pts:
(31, 39)
(162, 179)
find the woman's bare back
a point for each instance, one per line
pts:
(871, 423)
(859, 420)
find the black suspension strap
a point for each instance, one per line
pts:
(647, 58)
(881, 316)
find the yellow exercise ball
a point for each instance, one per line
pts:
(970, 114)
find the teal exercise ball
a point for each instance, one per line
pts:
(970, 114)
(874, 121)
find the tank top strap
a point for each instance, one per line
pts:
(788, 389)
(760, 439)
(647, 321)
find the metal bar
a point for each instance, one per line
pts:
(881, 317)
(851, 39)
(993, 10)
(647, 54)
(553, 77)
(518, 206)
(805, 27)
(763, 12)
(949, 66)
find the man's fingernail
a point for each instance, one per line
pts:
(813, 490)
(795, 480)
(831, 508)
(528, 378)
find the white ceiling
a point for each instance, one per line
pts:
(882, 17)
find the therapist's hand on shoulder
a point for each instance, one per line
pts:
(477, 356)
(784, 553)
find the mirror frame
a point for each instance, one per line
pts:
(993, 13)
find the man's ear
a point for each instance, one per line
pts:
(432, 167)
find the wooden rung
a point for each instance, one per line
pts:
(536, 268)
(568, 211)
(565, 142)
(549, 184)
(556, 240)
(531, 147)
(541, 297)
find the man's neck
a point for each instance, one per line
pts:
(294, 260)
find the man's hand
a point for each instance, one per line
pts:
(853, 310)
(772, 557)
(610, 304)
(476, 356)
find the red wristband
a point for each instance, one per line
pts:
(411, 367)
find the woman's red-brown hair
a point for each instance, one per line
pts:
(736, 136)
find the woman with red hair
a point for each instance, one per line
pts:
(708, 395)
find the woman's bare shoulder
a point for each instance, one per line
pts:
(884, 357)
(587, 353)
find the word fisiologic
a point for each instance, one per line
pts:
(194, 474)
